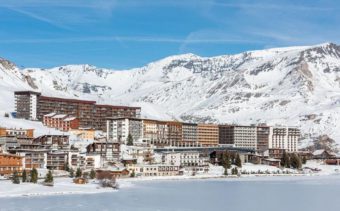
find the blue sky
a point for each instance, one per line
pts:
(122, 34)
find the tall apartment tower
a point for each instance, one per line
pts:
(118, 129)
(26, 103)
(284, 138)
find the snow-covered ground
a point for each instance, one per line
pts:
(66, 186)
(61, 186)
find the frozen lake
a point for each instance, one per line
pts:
(284, 193)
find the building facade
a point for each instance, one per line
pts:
(33, 106)
(263, 138)
(189, 134)
(19, 133)
(284, 138)
(118, 129)
(26, 104)
(207, 134)
(10, 163)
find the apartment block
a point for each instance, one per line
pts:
(239, 136)
(174, 135)
(10, 163)
(109, 151)
(62, 122)
(284, 138)
(34, 158)
(208, 134)
(56, 160)
(26, 104)
(155, 132)
(263, 138)
(118, 129)
(32, 105)
(189, 134)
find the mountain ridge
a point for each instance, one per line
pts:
(292, 86)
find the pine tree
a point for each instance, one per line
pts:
(92, 174)
(225, 171)
(24, 176)
(226, 160)
(67, 167)
(129, 140)
(49, 177)
(34, 175)
(304, 160)
(78, 173)
(15, 178)
(71, 173)
(285, 161)
(296, 161)
(238, 161)
(133, 174)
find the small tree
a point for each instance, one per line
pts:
(304, 160)
(225, 171)
(34, 175)
(24, 176)
(49, 177)
(133, 174)
(129, 140)
(92, 174)
(67, 167)
(71, 173)
(15, 178)
(238, 161)
(78, 172)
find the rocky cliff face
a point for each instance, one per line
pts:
(292, 86)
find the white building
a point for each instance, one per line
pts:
(245, 137)
(26, 104)
(154, 170)
(284, 138)
(118, 129)
(184, 159)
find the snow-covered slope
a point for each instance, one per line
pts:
(292, 86)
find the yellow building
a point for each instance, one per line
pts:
(84, 133)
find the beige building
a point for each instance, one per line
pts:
(84, 133)
(284, 138)
(153, 170)
(207, 134)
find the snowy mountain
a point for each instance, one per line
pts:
(290, 86)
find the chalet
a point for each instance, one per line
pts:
(111, 172)
(323, 154)
(10, 163)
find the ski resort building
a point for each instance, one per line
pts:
(284, 138)
(33, 106)
(10, 163)
(207, 134)
(239, 136)
(14, 132)
(118, 129)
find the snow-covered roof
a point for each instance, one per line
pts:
(50, 115)
(59, 116)
(318, 152)
(69, 119)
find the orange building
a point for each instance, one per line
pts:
(10, 163)
(208, 134)
(20, 133)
